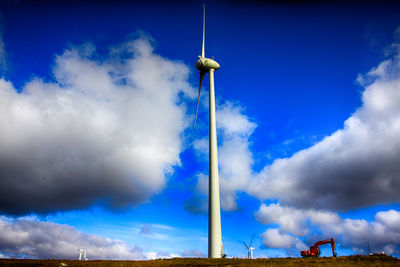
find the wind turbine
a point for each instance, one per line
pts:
(208, 65)
(249, 249)
(80, 252)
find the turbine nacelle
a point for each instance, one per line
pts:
(206, 64)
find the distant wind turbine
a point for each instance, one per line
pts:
(249, 248)
(80, 253)
(208, 65)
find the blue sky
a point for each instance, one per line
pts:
(97, 149)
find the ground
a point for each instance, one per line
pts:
(324, 261)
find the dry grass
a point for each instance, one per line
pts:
(340, 262)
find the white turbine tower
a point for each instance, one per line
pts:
(208, 65)
(249, 249)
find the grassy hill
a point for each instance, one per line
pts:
(366, 261)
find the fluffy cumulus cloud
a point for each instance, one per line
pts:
(274, 238)
(354, 167)
(108, 128)
(34, 239)
(293, 220)
(382, 234)
(234, 157)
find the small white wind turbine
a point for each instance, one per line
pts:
(82, 252)
(208, 65)
(249, 249)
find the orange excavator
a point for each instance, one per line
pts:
(314, 250)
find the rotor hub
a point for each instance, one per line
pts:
(206, 64)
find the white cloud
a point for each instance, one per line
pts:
(273, 238)
(35, 239)
(382, 233)
(232, 121)
(31, 238)
(293, 220)
(160, 255)
(354, 167)
(201, 148)
(3, 256)
(108, 128)
(356, 233)
(390, 218)
(235, 157)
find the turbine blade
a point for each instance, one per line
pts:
(245, 245)
(204, 30)
(202, 74)
(251, 241)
